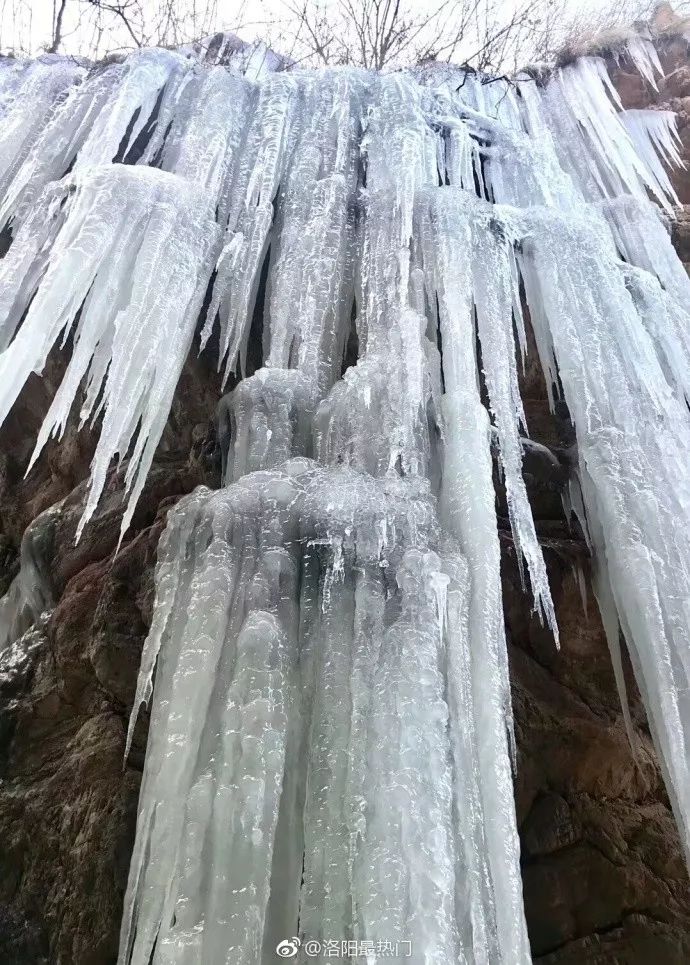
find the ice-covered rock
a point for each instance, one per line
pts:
(331, 730)
(122, 256)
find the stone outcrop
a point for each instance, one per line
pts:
(67, 801)
(604, 878)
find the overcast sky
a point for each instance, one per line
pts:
(26, 26)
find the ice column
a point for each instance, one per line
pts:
(447, 245)
(384, 812)
(331, 727)
(308, 314)
(246, 215)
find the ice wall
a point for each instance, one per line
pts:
(330, 745)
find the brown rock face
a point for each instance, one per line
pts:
(604, 879)
(67, 802)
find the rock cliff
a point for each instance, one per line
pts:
(603, 875)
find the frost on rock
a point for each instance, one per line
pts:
(331, 733)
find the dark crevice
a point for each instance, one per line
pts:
(134, 153)
(351, 355)
(601, 933)
(439, 346)
(255, 348)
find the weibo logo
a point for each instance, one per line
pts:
(288, 947)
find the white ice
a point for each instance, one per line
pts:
(127, 268)
(331, 731)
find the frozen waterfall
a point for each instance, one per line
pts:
(331, 732)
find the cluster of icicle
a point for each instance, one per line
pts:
(330, 739)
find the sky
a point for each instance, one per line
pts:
(26, 26)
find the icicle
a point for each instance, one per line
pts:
(293, 771)
(667, 322)
(401, 156)
(311, 257)
(152, 80)
(644, 241)
(90, 126)
(494, 301)
(225, 565)
(247, 214)
(632, 430)
(490, 278)
(593, 140)
(132, 249)
(205, 132)
(265, 421)
(59, 142)
(191, 116)
(228, 583)
(607, 605)
(404, 869)
(644, 56)
(376, 419)
(30, 94)
(656, 141)
(468, 512)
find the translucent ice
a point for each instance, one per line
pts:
(29, 93)
(31, 592)
(128, 264)
(641, 50)
(331, 732)
(265, 421)
(633, 432)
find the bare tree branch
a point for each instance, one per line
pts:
(494, 36)
(58, 14)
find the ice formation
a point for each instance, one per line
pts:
(30, 594)
(92, 257)
(330, 742)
